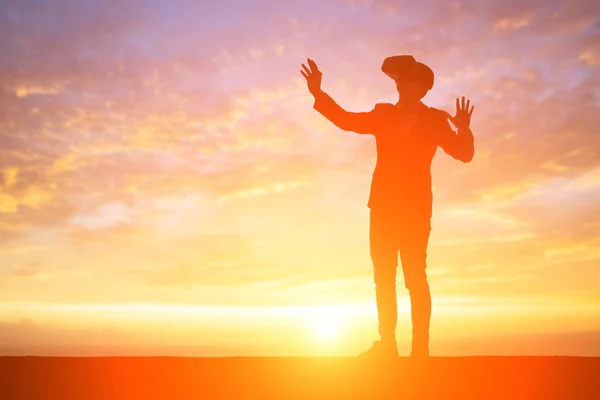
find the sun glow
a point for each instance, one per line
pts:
(325, 330)
(326, 323)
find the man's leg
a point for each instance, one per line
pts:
(383, 240)
(414, 238)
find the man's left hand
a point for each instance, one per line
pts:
(462, 119)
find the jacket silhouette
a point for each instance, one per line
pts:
(402, 175)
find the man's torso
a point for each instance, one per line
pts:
(406, 144)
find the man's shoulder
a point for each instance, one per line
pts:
(437, 113)
(439, 118)
(384, 107)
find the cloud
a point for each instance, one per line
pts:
(215, 260)
(106, 216)
(512, 23)
(24, 91)
(103, 232)
(30, 270)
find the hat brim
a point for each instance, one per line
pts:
(405, 67)
(398, 66)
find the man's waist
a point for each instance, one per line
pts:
(400, 194)
(402, 179)
(418, 207)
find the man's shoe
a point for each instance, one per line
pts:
(381, 350)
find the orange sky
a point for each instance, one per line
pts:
(166, 186)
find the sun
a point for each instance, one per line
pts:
(325, 330)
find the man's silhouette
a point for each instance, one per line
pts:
(407, 135)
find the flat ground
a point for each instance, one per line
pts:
(306, 378)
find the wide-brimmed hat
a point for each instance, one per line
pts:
(406, 67)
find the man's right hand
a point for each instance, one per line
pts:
(313, 77)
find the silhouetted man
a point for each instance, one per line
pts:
(407, 135)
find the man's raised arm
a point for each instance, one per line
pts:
(460, 146)
(359, 122)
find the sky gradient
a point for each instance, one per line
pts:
(167, 188)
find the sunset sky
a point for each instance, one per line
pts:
(167, 188)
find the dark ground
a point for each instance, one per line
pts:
(306, 378)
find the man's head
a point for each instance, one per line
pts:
(413, 79)
(410, 90)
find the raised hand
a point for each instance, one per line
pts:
(462, 119)
(313, 77)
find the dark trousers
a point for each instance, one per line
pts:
(390, 232)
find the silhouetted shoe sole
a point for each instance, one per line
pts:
(379, 356)
(380, 351)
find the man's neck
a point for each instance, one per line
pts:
(409, 106)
